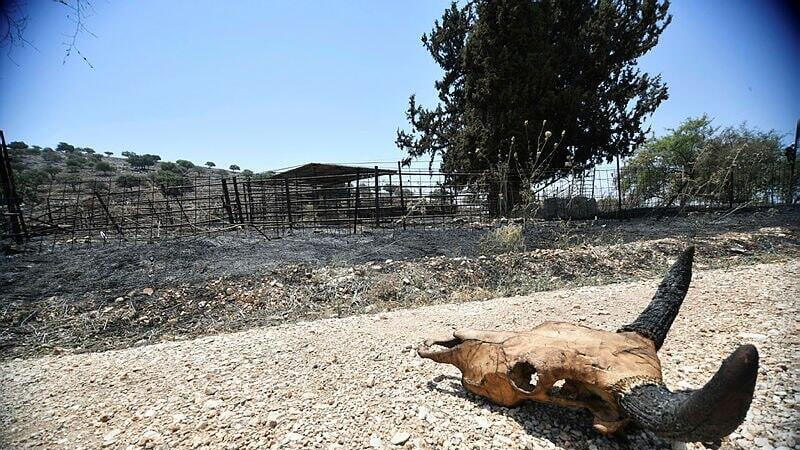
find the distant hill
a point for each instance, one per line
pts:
(35, 168)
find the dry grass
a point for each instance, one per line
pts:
(506, 239)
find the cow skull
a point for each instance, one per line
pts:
(614, 375)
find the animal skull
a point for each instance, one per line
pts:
(615, 375)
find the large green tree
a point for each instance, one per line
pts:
(511, 65)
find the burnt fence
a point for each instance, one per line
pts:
(144, 209)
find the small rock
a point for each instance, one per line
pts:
(110, 438)
(147, 291)
(293, 437)
(150, 437)
(212, 404)
(400, 438)
(482, 422)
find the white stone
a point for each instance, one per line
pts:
(400, 438)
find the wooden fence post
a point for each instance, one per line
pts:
(226, 201)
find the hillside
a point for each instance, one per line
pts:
(37, 168)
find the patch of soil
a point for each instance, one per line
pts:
(93, 298)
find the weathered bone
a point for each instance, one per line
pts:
(655, 321)
(615, 375)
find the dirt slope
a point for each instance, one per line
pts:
(356, 382)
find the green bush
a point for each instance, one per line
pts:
(65, 148)
(17, 145)
(50, 156)
(172, 184)
(52, 170)
(141, 162)
(129, 181)
(697, 160)
(103, 166)
(28, 183)
(247, 173)
(171, 167)
(185, 164)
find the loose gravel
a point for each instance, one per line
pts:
(356, 382)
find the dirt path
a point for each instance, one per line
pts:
(356, 382)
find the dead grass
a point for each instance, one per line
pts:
(506, 239)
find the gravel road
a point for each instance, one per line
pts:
(357, 383)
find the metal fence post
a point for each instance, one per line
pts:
(226, 201)
(619, 188)
(377, 201)
(18, 228)
(238, 202)
(358, 202)
(402, 196)
(288, 203)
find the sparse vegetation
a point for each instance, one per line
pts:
(505, 239)
(185, 164)
(129, 181)
(105, 167)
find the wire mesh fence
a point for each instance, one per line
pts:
(144, 209)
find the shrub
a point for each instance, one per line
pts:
(508, 238)
(65, 148)
(28, 182)
(141, 162)
(185, 164)
(247, 173)
(75, 163)
(103, 166)
(52, 170)
(129, 181)
(172, 184)
(50, 156)
(171, 167)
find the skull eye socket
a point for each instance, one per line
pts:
(524, 377)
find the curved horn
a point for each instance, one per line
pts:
(704, 415)
(654, 322)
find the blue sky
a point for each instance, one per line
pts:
(270, 84)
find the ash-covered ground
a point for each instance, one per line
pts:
(79, 297)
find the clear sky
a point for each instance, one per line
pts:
(270, 84)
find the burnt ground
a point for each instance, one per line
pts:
(79, 298)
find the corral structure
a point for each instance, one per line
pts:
(338, 198)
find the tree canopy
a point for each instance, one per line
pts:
(697, 160)
(549, 85)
